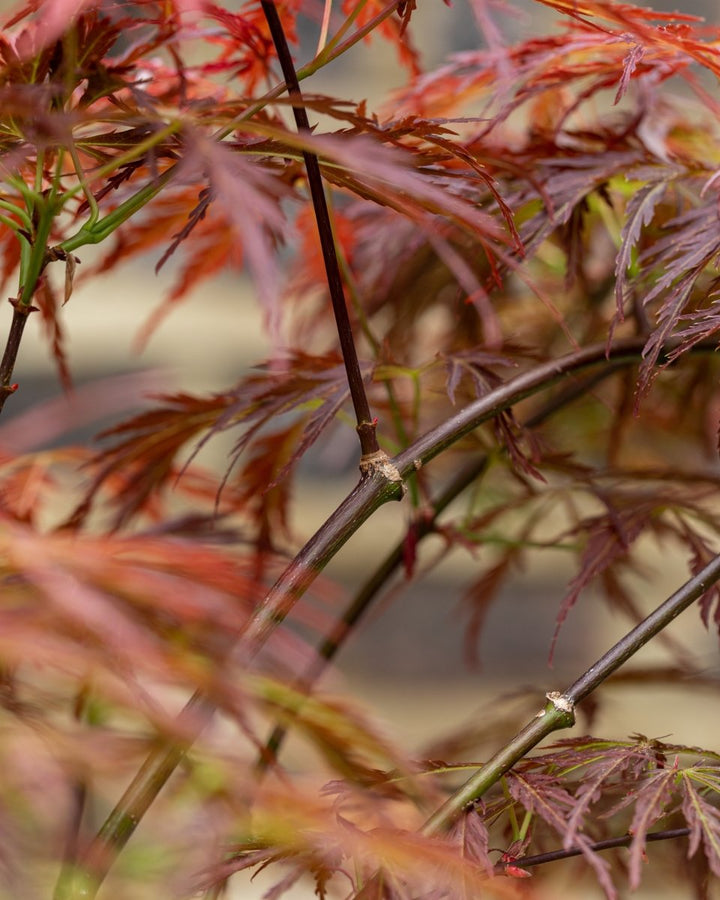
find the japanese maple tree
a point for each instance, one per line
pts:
(504, 278)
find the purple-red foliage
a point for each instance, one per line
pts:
(514, 204)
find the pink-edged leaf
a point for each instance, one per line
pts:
(475, 364)
(704, 821)
(281, 888)
(522, 461)
(122, 612)
(52, 18)
(609, 539)
(701, 554)
(638, 215)
(393, 29)
(470, 834)
(561, 184)
(478, 599)
(667, 319)
(263, 484)
(702, 324)
(313, 388)
(611, 765)
(247, 48)
(249, 198)
(28, 484)
(543, 796)
(297, 383)
(389, 169)
(650, 800)
(691, 245)
(146, 449)
(635, 54)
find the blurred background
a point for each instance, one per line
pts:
(411, 669)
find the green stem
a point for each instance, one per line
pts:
(559, 711)
(96, 232)
(38, 181)
(12, 226)
(36, 259)
(25, 219)
(549, 719)
(38, 220)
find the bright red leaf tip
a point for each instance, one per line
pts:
(516, 872)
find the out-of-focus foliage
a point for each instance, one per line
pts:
(517, 203)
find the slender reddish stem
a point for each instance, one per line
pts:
(365, 422)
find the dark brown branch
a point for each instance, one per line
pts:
(527, 862)
(366, 426)
(372, 492)
(12, 347)
(366, 595)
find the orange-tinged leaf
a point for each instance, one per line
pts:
(393, 29)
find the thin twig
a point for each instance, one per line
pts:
(366, 426)
(12, 347)
(539, 859)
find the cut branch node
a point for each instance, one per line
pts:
(380, 462)
(562, 704)
(23, 309)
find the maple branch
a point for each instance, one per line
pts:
(361, 602)
(377, 488)
(559, 711)
(425, 526)
(382, 485)
(20, 316)
(366, 425)
(527, 862)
